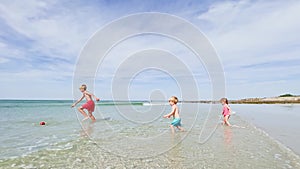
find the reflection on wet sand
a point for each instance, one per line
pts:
(175, 154)
(87, 129)
(227, 135)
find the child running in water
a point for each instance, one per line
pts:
(89, 105)
(226, 111)
(175, 113)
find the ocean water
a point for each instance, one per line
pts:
(133, 135)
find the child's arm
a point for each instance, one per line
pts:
(92, 95)
(170, 114)
(79, 100)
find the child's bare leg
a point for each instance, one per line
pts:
(92, 116)
(180, 128)
(226, 120)
(80, 109)
(172, 129)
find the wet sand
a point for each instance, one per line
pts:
(280, 121)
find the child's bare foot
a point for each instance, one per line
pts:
(180, 129)
(85, 119)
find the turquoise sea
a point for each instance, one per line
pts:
(134, 135)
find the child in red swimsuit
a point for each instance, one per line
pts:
(226, 111)
(89, 105)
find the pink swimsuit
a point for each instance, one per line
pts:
(89, 105)
(225, 111)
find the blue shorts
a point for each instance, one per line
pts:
(176, 122)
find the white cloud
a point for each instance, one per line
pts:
(247, 28)
(253, 38)
(3, 60)
(41, 41)
(55, 29)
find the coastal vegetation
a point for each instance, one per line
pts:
(287, 95)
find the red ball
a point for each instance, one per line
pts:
(42, 123)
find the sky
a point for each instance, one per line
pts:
(258, 44)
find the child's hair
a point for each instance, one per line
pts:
(224, 100)
(83, 87)
(174, 99)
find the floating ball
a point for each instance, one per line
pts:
(42, 123)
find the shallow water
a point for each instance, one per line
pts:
(132, 136)
(280, 121)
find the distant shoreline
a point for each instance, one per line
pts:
(266, 100)
(270, 100)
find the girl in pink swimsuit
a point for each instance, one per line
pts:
(226, 111)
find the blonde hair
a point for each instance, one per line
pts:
(83, 87)
(224, 100)
(174, 99)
